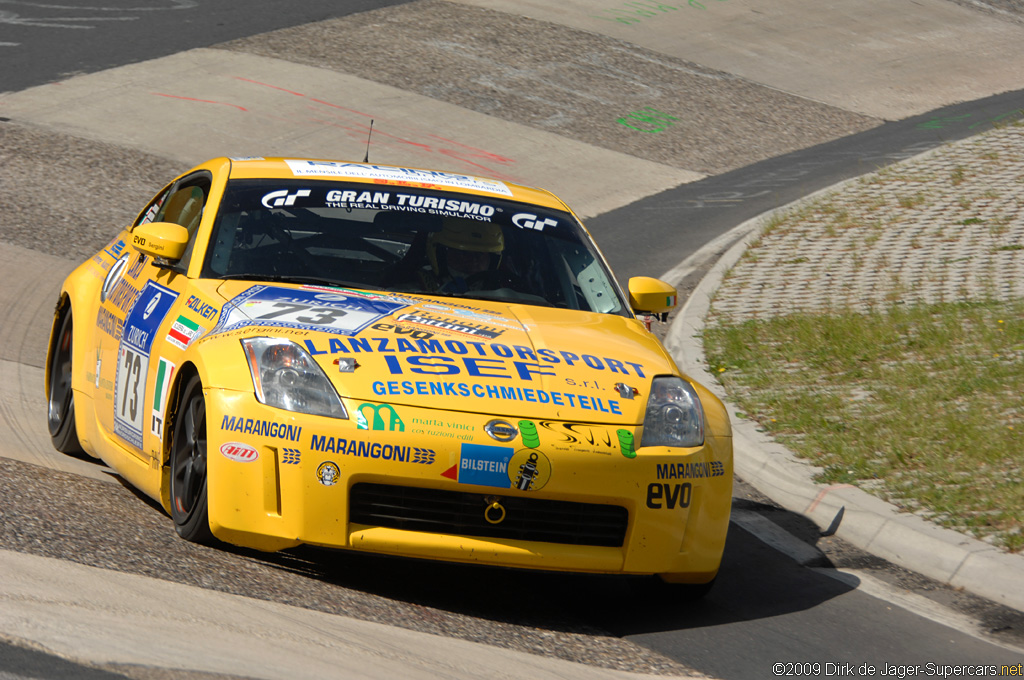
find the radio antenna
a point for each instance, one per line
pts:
(366, 159)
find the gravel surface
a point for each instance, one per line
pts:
(110, 526)
(1010, 10)
(68, 196)
(571, 82)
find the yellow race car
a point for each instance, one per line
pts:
(419, 363)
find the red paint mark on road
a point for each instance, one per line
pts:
(464, 153)
(477, 153)
(299, 94)
(201, 101)
(273, 87)
(824, 492)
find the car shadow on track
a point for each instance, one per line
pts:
(112, 526)
(755, 582)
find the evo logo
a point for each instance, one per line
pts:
(276, 199)
(529, 221)
(669, 495)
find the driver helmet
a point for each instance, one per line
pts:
(447, 248)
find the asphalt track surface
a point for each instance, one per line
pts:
(766, 608)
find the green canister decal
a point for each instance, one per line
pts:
(529, 432)
(626, 443)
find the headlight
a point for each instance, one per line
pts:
(285, 376)
(674, 415)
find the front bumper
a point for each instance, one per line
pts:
(441, 488)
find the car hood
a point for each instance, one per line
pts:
(506, 359)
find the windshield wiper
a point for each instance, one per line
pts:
(498, 295)
(278, 278)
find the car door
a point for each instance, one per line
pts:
(144, 298)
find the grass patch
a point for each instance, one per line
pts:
(912, 201)
(920, 404)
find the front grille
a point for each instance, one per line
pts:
(453, 512)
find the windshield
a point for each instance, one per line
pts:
(407, 240)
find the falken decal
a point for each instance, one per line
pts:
(201, 308)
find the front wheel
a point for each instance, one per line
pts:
(60, 397)
(689, 592)
(657, 588)
(189, 507)
(685, 592)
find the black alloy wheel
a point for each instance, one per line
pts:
(189, 507)
(60, 396)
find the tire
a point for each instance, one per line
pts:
(60, 397)
(686, 592)
(188, 492)
(656, 588)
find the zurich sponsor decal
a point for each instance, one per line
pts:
(238, 452)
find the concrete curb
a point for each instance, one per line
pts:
(99, 616)
(860, 518)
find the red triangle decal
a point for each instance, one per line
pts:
(452, 473)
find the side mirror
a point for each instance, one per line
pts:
(162, 240)
(651, 296)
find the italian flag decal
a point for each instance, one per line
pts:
(164, 372)
(183, 332)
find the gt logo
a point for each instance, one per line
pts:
(528, 221)
(671, 494)
(275, 199)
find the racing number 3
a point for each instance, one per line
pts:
(133, 370)
(327, 315)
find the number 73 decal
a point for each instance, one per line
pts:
(140, 329)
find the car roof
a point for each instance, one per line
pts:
(377, 175)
